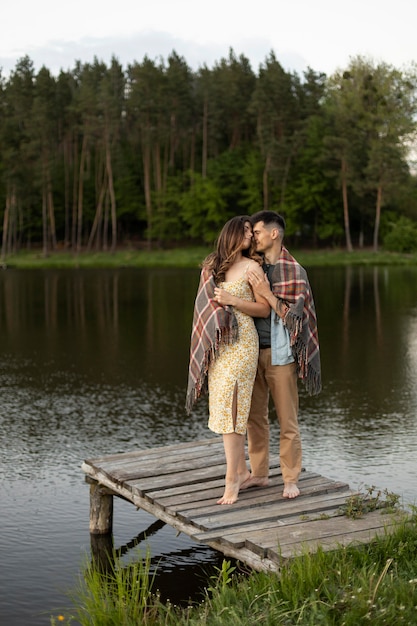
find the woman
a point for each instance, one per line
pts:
(224, 344)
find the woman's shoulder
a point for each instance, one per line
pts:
(253, 265)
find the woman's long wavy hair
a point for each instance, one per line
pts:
(228, 246)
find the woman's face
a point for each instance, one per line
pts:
(247, 239)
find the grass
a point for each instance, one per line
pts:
(369, 584)
(189, 257)
(180, 257)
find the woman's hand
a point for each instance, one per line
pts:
(223, 297)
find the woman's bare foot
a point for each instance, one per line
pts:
(231, 490)
(230, 495)
(255, 481)
(290, 490)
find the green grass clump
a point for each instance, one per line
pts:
(117, 594)
(368, 584)
(358, 504)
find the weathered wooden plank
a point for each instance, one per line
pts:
(168, 494)
(149, 464)
(251, 497)
(358, 533)
(333, 542)
(143, 462)
(340, 525)
(312, 507)
(309, 484)
(181, 494)
(126, 466)
(282, 538)
(139, 466)
(259, 539)
(207, 501)
(138, 469)
(152, 453)
(331, 529)
(166, 467)
(229, 516)
(186, 477)
(157, 481)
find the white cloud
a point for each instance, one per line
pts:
(323, 34)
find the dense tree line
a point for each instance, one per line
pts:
(157, 153)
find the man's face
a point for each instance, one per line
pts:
(262, 237)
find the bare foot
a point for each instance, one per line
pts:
(290, 490)
(231, 490)
(230, 495)
(255, 481)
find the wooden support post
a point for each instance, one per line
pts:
(102, 552)
(101, 510)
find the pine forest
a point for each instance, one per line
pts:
(159, 155)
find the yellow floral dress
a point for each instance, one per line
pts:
(235, 366)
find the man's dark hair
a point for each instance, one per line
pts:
(268, 218)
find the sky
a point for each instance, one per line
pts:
(320, 34)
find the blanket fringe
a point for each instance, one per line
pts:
(294, 324)
(305, 370)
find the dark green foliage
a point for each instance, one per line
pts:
(203, 209)
(157, 153)
(402, 236)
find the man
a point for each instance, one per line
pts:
(288, 350)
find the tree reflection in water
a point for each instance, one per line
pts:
(95, 362)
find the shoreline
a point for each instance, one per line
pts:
(189, 258)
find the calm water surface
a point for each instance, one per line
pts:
(95, 362)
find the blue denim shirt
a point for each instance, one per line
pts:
(281, 353)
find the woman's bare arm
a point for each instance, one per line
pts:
(259, 308)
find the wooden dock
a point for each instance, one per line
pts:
(179, 484)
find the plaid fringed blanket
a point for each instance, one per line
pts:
(213, 325)
(290, 284)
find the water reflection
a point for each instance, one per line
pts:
(179, 575)
(95, 362)
(410, 324)
(364, 423)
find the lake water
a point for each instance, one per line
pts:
(95, 362)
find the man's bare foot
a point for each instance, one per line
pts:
(255, 481)
(290, 490)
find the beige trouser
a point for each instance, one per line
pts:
(281, 382)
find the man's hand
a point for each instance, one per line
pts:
(261, 287)
(259, 283)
